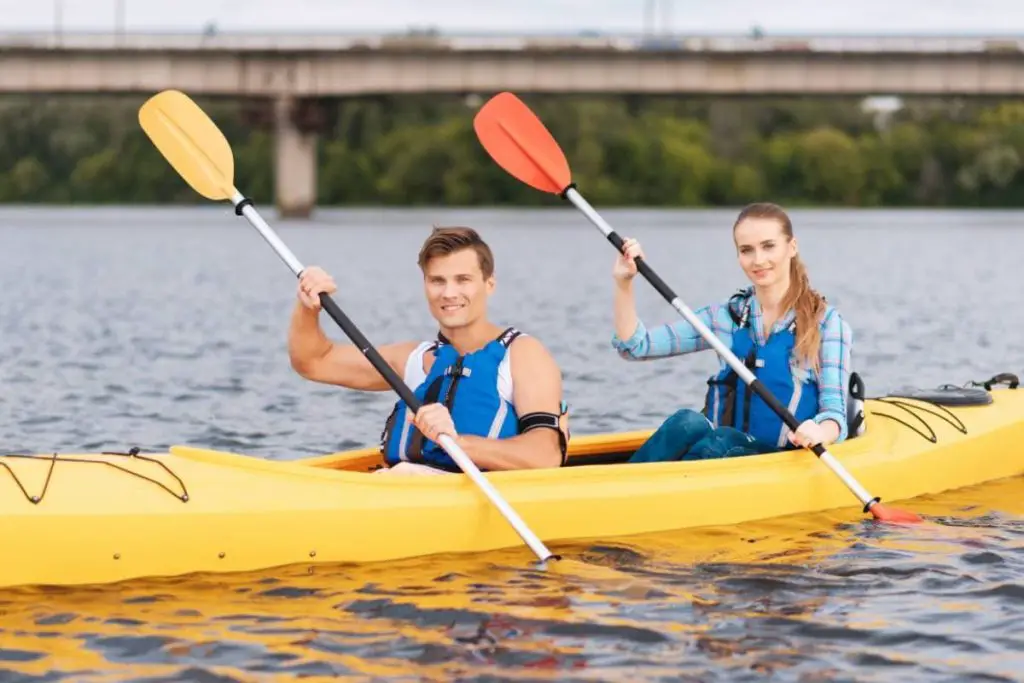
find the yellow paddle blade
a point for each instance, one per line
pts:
(190, 142)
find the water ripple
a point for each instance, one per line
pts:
(189, 346)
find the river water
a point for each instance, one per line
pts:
(150, 327)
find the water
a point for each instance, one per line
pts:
(152, 327)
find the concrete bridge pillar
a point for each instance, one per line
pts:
(295, 156)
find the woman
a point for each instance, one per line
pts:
(792, 340)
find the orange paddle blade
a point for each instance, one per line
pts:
(519, 143)
(894, 515)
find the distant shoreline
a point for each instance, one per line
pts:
(626, 152)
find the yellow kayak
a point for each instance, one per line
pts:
(98, 518)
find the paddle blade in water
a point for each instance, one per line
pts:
(190, 142)
(894, 515)
(518, 142)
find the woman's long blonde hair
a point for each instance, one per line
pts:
(809, 304)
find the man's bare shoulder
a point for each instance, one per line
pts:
(528, 352)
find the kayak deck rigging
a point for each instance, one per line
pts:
(54, 458)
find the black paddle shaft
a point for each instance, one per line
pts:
(371, 353)
(644, 269)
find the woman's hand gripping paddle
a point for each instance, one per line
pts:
(520, 143)
(200, 153)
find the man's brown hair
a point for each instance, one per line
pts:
(448, 240)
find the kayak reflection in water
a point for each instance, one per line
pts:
(498, 389)
(796, 344)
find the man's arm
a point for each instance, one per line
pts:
(536, 387)
(317, 358)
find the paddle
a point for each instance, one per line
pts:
(520, 143)
(200, 153)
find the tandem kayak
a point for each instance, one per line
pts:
(105, 517)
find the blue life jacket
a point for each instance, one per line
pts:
(730, 402)
(468, 386)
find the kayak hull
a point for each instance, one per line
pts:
(101, 518)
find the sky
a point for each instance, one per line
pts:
(511, 16)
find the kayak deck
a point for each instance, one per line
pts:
(85, 518)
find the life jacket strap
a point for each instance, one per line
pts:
(414, 447)
(751, 362)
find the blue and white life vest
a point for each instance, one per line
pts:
(730, 402)
(476, 388)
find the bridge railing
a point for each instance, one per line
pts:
(290, 42)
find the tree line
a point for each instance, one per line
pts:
(624, 150)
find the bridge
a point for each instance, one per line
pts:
(294, 74)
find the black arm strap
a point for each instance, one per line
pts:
(543, 420)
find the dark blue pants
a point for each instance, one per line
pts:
(688, 435)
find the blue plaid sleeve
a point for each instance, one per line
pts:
(834, 373)
(676, 338)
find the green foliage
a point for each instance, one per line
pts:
(624, 150)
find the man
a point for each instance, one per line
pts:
(499, 390)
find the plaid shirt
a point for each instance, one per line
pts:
(674, 339)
